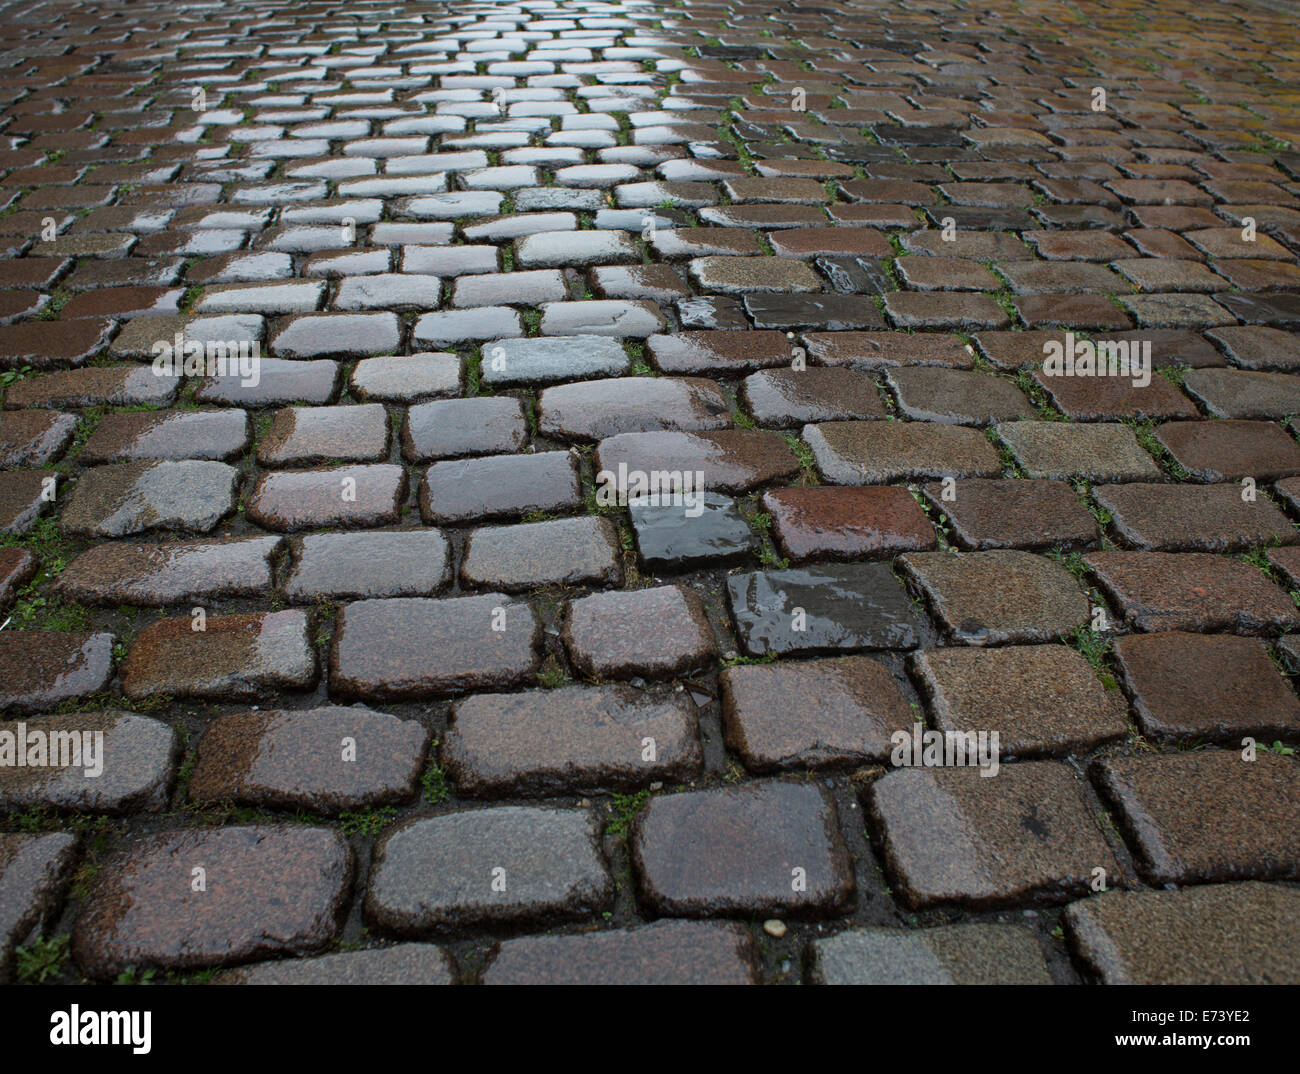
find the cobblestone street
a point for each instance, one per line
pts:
(565, 491)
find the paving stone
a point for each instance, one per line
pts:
(343, 335)
(1162, 802)
(278, 382)
(34, 437)
(1205, 687)
(1230, 450)
(270, 890)
(132, 497)
(449, 428)
(601, 408)
(407, 378)
(1106, 398)
(655, 633)
(45, 345)
(567, 551)
(846, 523)
(1042, 700)
(391, 650)
(17, 568)
(1064, 451)
(334, 566)
(1194, 591)
(1192, 518)
(568, 739)
(952, 954)
(833, 312)
(870, 453)
(663, 953)
(24, 497)
(658, 283)
(405, 963)
(718, 352)
(574, 249)
(233, 657)
(812, 609)
(551, 359)
(598, 317)
(93, 386)
(504, 865)
(500, 486)
(305, 436)
(762, 848)
(681, 536)
(1012, 513)
(880, 350)
(118, 762)
(955, 396)
(510, 288)
(167, 434)
(942, 830)
(994, 597)
(731, 460)
(811, 713)
(340, 496)
(1234, 393)
(1224, 934)
(741, 275)
(326, 760)
(789, 397)
(170, 572)
(388, 291)
(1258, 347)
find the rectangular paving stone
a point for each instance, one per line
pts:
(1230, 450)
(270, 890)
(406, 378)
(1163, 801)
(1067, 451)
(878, 452)
(24, 496)
(822, 609)
(1193, 591)
(729, 460)
(952, 837)
(233, 657)
(357, 566)
(404, 648)
(1236, 393)
(545, 742)
(716, 353)
(34, 437)
(770, 847)
(566, 551)
(846, 523)
(551, 359)
(167, 434)
(955, 396)
(953, 954)
(499, 486)
(40, 669)
(987, 513)
(33, 875)
(661, 632)
(132, 497)
(338, 496)
(450, 428)
(811, 713)
(325, 760)
(596, 409)
(1192, 518)
(500, 866)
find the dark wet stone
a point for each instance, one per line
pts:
(788, 397)
(860, 606)
(663, 953)
(953, 836)
(761, 848)
(712, 312)
(167, 434)
(306, 436)
(279, 382)
(407, 378)
(131, 497)
(93, 386)
(1230, 450)
(134, 758)
(17, 568)
(449, 428)
(40, 669)
(1226, 934)
(877, 452)
(742, 275)
(502, 865)
(718, 352)
(1194, 591)
(829, 522)
(1163, 802)
(391, 650)
(355, 566)
(326, 760)
(574, 738)
(1115, 398)
(269, 890)
(678, 536)
(1192, 518)
(400, 964)
(810, 713)
(34, 437)
(234, 657)
(46, 344)
(952, 954)
(1205, 687)
(655, 633)
(833, 313)
(341, 496)
(658, 283)
(731, 460)
(956, 396)
(33, 874)
(1042, 700)
(567, 551)
(499, 486)
(24, 497)
(989, 513)
(1235, 393)
(1066, 451)
(1278, 310)
(171, 572)
(990, 598)
(596, 409)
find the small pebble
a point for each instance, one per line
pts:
(774, 928)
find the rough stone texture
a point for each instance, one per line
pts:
(733, 460)
(568, 739)
(1230, 450)
(1069, 452)
(33, 871)
(846, 523)
(43, 668)
(270, 890)
(1192, 518)
(737, 849)
(500, 486)
(654, 633)
(132, 497)
(602, 408)
(987, 513)
(338, 496)
(400, 964)
(952, 836)
(568, 551)
(875, 453)
(407, 563)
(953, 954)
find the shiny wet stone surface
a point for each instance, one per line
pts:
(538, 407)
